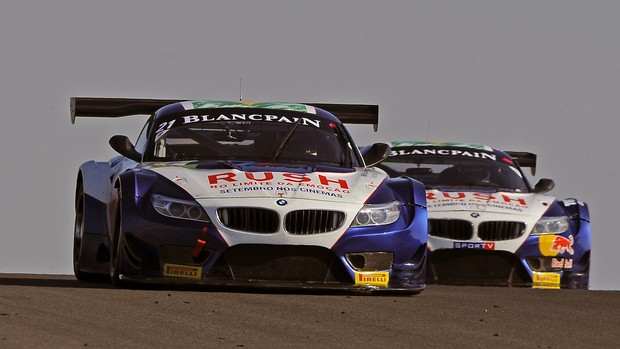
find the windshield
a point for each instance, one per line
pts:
(256, 141)
(441, 172)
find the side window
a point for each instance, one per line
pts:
(143, 137)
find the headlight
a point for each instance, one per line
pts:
(176, 208)
(551, 225)
(379, 214)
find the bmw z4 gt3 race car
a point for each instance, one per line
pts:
(246, 194)
(487, 224)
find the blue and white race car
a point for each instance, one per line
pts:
(246, 194)
(487, 224)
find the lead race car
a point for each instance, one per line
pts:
(487, 224)
(239, 193)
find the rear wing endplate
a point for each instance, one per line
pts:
(118, 107)
(524, 159)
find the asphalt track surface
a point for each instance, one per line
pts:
(57, 311)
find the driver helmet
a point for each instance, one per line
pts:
(476, 174)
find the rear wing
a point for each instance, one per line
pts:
(117, 107)
(524, 159)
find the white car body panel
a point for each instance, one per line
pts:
(219, 188)
(501, 206)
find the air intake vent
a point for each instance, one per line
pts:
(307, 222)
(456, 229)
(500, 230)
(249, 219)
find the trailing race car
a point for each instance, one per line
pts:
(254, 194)
(487, 224)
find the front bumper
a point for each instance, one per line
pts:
(166, 254)
(531, 265)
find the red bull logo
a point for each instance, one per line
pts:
(552, 245)
(563, 245)
(561, 263)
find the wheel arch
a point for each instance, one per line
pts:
(94, 179)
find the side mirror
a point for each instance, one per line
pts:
(544, 185)
(374, 154)
(123, 146)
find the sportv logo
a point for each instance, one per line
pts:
(476, 245)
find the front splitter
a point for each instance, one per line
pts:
(288, 286)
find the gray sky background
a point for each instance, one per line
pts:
(530, 75)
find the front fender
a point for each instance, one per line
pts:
(95, 180)
(576, 209)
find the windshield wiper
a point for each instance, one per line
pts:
(285, 140)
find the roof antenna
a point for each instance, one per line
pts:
(240, 94)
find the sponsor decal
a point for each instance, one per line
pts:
(561, 263)
(372, 278)
(476, 201)
(190, 105)
(553, 245)
(182, 271)
(234, 182)
(190, 119)
(444, 152)
(484, 245)
(442, 144)
(179, 180)
(252, 178)
(571, 202)
(546, 280)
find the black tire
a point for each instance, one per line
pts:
(118, 250)
(78, 241)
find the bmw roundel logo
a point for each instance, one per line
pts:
(281, 202)
(475, 214)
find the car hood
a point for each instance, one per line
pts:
(272, 182)
(454, 203)
(480, 207)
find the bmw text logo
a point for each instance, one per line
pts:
(281, 202)
(475, 214)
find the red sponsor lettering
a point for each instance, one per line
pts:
(367, 278)
(484, 196)
(488, 245)
(296, 177)
(231, 177)
(508, 199)
(343, 183)
(267, 176)
(450, 195)
(227, 176)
